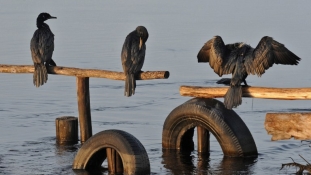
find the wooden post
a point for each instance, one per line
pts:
(114, 161)
(119, 164)
(287, 125)
(84, 107)
(66, 130)
(203, 140)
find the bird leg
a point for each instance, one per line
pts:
(245, 84)
(50, 62)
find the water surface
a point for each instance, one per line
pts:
(91, 34)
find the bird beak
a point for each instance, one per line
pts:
(52, 17)
(140, 43)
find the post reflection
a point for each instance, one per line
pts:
(191, 163)
(178, 162)
(65, 149)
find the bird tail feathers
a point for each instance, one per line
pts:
(130, 85)
(233, 97)
(40, 75)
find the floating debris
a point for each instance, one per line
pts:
(298, 165)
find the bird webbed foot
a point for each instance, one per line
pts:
(50, 63)
(225, 81)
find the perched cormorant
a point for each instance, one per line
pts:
(42, 47)
(133, 56)
(240, 60)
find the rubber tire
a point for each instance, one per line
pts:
(229, 129)
(92, 153)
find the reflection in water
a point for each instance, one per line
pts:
(236, 165)
(64, 155)
(178, 162)
(187, 163)
(84, 172)
(64, 149)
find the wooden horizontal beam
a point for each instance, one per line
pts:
(254, 92)
(287, 125)
(96, 73)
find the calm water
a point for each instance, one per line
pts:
(91, 34)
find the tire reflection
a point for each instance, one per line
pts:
(187, 162)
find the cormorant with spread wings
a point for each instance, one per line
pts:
(240, 60)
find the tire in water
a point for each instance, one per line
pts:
(228, 128)
(92, 153)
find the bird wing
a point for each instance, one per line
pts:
(126, 55)
(267, 53)
(132, 56)
(46, 43)
(35, 53)
(218, 55)
(137, 57)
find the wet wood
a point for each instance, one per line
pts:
(203, 140)
(254, 92)
(96, 73)
(66, 130)
(287, 125)
(84, 108)
(114, 160)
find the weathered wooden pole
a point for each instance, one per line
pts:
(287, 125)
(249, 91)
(203, 140)
(66, 130)
(77, 72)
(84, 108)
(114, 161)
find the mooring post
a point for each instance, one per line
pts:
(84, 107)
(66, 130)
(114, 161)
(203, 140)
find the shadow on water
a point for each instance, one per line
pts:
(187, 163)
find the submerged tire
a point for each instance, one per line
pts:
(228, 128)
(93, 152)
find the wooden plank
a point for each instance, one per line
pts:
(254, 92)
(95, 73)
(287, 125)
(84, 108)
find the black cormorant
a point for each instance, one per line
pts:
(240, 60)
(42, 47)
(133, 56)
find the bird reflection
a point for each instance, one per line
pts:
(240, 60)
